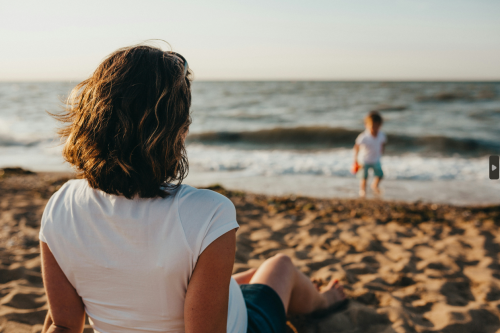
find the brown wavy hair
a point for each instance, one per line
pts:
(126, 124)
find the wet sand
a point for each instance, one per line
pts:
(456, 192)
(407, 267)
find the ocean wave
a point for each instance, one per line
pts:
(7, 141)
(318, 137)
(450, 96)
(10, 141)
(331, 163)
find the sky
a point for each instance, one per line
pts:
(53, 40)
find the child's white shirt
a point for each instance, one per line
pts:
(370, 147)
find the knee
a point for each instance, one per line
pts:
(281, 257)
(281, 260)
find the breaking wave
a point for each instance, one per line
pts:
(317, 137)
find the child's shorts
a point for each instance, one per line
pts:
(266, 312)
(377, 170)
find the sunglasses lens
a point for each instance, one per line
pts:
(182, 60)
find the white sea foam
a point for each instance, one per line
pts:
(27, 132)
(47, 157)
(41, 157)
(332, 163)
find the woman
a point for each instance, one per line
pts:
(131, 249)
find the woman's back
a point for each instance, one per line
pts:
(130, 260)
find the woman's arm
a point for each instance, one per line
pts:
(66, 310)
(205, 308)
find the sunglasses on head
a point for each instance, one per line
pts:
(183, 60)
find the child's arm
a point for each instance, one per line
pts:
(356, 151)
(355, 166)
(383, 148)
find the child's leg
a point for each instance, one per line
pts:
(379, 174)
(376, 182)
(362, 175)
(362, 188)
(298, 293)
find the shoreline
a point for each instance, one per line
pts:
(419, 267)
(456, 193)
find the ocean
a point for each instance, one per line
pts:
(437, 131)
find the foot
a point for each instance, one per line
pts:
(317, 283)
(376, 190)
(333, 293)
(362, 193)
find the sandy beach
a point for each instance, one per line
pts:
(406, 267)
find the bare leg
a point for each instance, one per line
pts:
(244, 277)
(317, 283)
(362, 188)
(375, 184)
(298, 293)
(48, 322)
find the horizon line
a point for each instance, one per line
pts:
(485, 80)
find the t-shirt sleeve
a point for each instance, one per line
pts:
(41, 234)
(43, 222)
(359, 139)
(223, 220)
(46, 223)
(205, 216)
(384, 138)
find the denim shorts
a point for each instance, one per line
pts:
(266, 313)
(377, 170)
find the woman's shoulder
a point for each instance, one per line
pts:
(59, 206)
(71, 186)
(205, 215)
(198, 196)
(202, 206)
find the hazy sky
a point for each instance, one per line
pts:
(259, 39)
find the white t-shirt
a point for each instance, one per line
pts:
(370, 147)
(131, 260)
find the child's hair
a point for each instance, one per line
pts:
(374, 117)
(126, 123)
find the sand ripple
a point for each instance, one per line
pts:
(406, 267)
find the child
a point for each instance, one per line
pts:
(371, 143)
